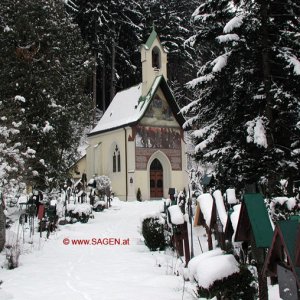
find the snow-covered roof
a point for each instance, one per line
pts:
(128, 106)
(124, 109)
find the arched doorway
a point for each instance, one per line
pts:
(156, 179)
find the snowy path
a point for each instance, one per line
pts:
(90, 272)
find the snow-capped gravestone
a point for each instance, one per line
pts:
(176, 216)
(222, 213)
(231, 197)
(206, 215)
(180, 232)
(205, 210)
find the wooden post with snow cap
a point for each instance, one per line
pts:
(206, 215)
(180, 232)
(222, 218)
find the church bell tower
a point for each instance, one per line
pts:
(154, 61)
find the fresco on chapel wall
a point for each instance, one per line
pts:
(159, 113)
(157, 137)
(150, 139)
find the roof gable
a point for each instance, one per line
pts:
(285, 237)
(128, 107)
(254, 216)
(289, 231)
(161, 82)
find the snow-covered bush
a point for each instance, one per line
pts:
(139, 195)
(281, 208)
(12, 256)
(219, 275)
(79, 212)
(153, 233)
(103, 185)
(99, 205)
(240, 285)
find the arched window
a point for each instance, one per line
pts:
(156, 63)
(116, 160)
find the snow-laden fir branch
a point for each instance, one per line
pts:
(225, 38)
(257, 132)
(205, 78)
(220, 62)
(235, 22)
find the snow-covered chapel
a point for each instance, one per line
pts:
(138, 143)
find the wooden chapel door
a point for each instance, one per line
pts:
(156, 179)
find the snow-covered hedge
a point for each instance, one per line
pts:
(218, 274)
(153, 232)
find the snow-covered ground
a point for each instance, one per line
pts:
(51, 270)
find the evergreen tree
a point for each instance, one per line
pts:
(44, 61)
(247, 107)
(112, 31)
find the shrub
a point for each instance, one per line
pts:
(153, 233)
(139, 195)
(238, 286)
(12, 256)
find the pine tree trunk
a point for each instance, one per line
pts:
(2, 227)
(266, 66)
(264, 15)
(94, 90)
(103, 83)
(113, 67)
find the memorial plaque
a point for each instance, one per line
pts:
(287, 284)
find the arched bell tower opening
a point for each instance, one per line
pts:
(156, 58)
(156, 179)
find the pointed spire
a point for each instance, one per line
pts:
(152, 37)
